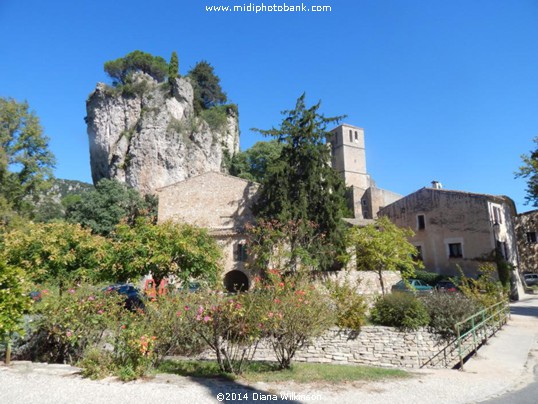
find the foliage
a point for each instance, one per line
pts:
(173, 68)
(230, 326)
(351, 307)
(206, 86)
(529, 170)
(447, 309)
(383, 246)
(70, 323)
(26, 162)
(121, 69)
(216, 117)
(401, 310)
(293, 312)
(486, 290)
(285, 245)
(168, 248)
(14, 303)
(60, 253)
(252, 163)
(431, 278)
(301, 186)
(174, 334)
(110, 203)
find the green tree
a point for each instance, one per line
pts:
(252, 163)
(383, 246)
(112, 201)
(529, 170)
(26, 162)
(302, 187)
(173, 68)
(206, 85)
(121, 69)
(59, 253)
(14, 303)
(165, 249)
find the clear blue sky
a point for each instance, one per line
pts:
(446, 90)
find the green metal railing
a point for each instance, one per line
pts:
(475, 330)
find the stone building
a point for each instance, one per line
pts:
(220, 203)
(455, 228)
(527, 240)
(348, 153)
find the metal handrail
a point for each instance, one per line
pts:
(493, 316)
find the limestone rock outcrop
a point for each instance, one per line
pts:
(147, 135)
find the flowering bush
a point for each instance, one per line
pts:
(69, 323)
(351, 307)
(228, 325)
(292, 312)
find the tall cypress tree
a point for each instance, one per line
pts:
(173, 68)
(302, 187)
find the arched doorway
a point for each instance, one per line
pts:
(235, 281)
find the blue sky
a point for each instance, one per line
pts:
(445, 90)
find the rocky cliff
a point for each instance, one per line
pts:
(147, 135)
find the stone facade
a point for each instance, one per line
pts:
(220, 203)
(527, 240)
(348, 157)
(454, 228)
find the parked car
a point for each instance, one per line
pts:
(531, 279)
(412, 285)
(133, 298)
(446, 286)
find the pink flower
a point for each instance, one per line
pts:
(91, 298)
(45, 291)
(198, 317)
(270, 315)
(206, 319)
(200, 309)
(186, 308)
(68, 333)
(100, 312)
(178, 314)
(71, 291)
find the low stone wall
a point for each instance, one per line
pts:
(373, 346)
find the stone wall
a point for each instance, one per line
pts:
(373, 346)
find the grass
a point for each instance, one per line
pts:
(269, 372)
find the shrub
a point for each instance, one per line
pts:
(293, 311)
(228, 325)
(431, 278)
(447, 309)
(350, 306)
(401, 310)
(486, 290)
(70, 323)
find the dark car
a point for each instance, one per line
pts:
(446, 286)
(531, 279)
(133, 298)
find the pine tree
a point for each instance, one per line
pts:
(173, 68)
(302, 188)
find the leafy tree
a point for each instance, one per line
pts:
(58, 253)
(101, 210)
(14, 303)
(121, 69)
(206, 86)
(252, 163)
(529, 170)
(165, 249)
(26, 162)
(302, 187)
(383, 246)
(173, 68)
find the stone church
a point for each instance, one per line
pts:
(222, 203)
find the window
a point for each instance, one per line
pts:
(350, 135)
(497, 216)
(241, 253)
(455, 250)
(421, 222)
(531, 237)
(356, 136)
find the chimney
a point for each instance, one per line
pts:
(437, 185)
